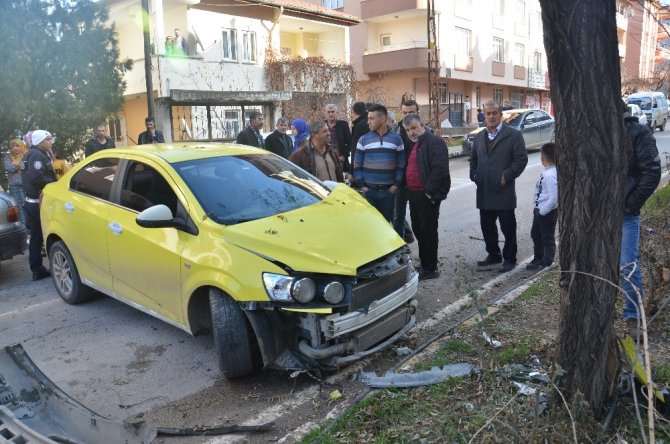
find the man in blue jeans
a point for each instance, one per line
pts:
(644, 174)
(379, 163)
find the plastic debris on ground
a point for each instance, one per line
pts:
(417, 379)
(491, 340)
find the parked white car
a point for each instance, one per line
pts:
(635, 111)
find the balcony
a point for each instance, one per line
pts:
(538, 79)
(371, 9)
(498, 69)
(519, 72)
(463, 63)
(410, 55)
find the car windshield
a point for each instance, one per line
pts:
(642, 102)
(512, 118)
(237, 189)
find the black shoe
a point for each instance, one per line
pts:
(535, 265)
(41, 274)
(507, 266)
(408, 237)
(490, 260)
(424, 275)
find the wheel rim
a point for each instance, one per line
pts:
(62, 273)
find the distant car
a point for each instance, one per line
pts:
(13, 233)
(237, 242)
(537, 128)
(635, 111)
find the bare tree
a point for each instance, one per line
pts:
(581, 43)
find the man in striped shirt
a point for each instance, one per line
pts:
(379, 163)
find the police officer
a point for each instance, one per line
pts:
(37, 171)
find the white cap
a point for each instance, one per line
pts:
(38, 136)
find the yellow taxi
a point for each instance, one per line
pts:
(284, 271)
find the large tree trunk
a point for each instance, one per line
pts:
(581, 43)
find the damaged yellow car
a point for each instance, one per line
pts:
(283, 270)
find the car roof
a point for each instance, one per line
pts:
(646, 94)
(181, 151)
(522, 110)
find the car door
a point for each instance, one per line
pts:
(546, 125)
(83, 214)
(145, 262)
(530, 129)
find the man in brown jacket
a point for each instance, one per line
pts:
(317, 157)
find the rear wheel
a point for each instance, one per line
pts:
(234, 338)
(66, 277)
(662, 127)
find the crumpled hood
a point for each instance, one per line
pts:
(335, 236)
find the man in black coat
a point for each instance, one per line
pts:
(428, 182)
(151, 135)
(278, 141)
(359, 127)
(339, 135)
(644, 175)
(497, 158)
(251, 135)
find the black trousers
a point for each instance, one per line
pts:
(34, 225)
(424, 215)
(542, 233)
(487, 220)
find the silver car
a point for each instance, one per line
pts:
(12, 232)
(537, 128)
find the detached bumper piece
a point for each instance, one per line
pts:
(430, 377)
(34, 410)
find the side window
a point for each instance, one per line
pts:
(145, 187)
(96, 178)
(540, 116)
(529, 120)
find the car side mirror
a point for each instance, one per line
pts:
(158, 216)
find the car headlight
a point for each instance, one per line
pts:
(278, 286)
(334, 292)
(303, 290)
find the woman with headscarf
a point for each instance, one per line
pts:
(12, 163)
(300, 130)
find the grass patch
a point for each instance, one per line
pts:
(657, 205)
(546, 287)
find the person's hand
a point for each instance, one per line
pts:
(503, 182)
(393, 189)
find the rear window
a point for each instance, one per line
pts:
(643, 102)
(237, 189)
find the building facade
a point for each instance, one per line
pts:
(488, 50)
(207, 91)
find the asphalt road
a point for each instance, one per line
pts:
(122, 363)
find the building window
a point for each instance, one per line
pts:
(229, 44)
(519, 54)
(384, 41)
(114, 129)
(443, 93)
(333, 4)
(498, 95)
(498, 49)
(478, 96)
(463, 42)
(521, 11)
(249, 46)
(537, 62)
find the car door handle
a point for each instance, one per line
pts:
(68, 207)
(115, 228)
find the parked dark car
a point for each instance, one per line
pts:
(13, 233)
(537, 128)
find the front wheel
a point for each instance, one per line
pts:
(234, 338)
(652, 128)
(65, 276)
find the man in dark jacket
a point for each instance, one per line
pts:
(317, 157)
(151, 135)
(497, 158)
(278, 141)
(644, 174)
(251, 135)
(359, 127)
(428, 182)
(99, 142)
(339, 135)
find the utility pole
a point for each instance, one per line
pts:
(147, 58)
(433, 70)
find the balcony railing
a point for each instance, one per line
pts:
(396, 47)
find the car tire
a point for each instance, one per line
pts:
(65, 276)
(652, 128)
(662, 127)
(234, 338)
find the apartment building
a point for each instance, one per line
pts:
(637, 32)
(488, 50)
(207, 92)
